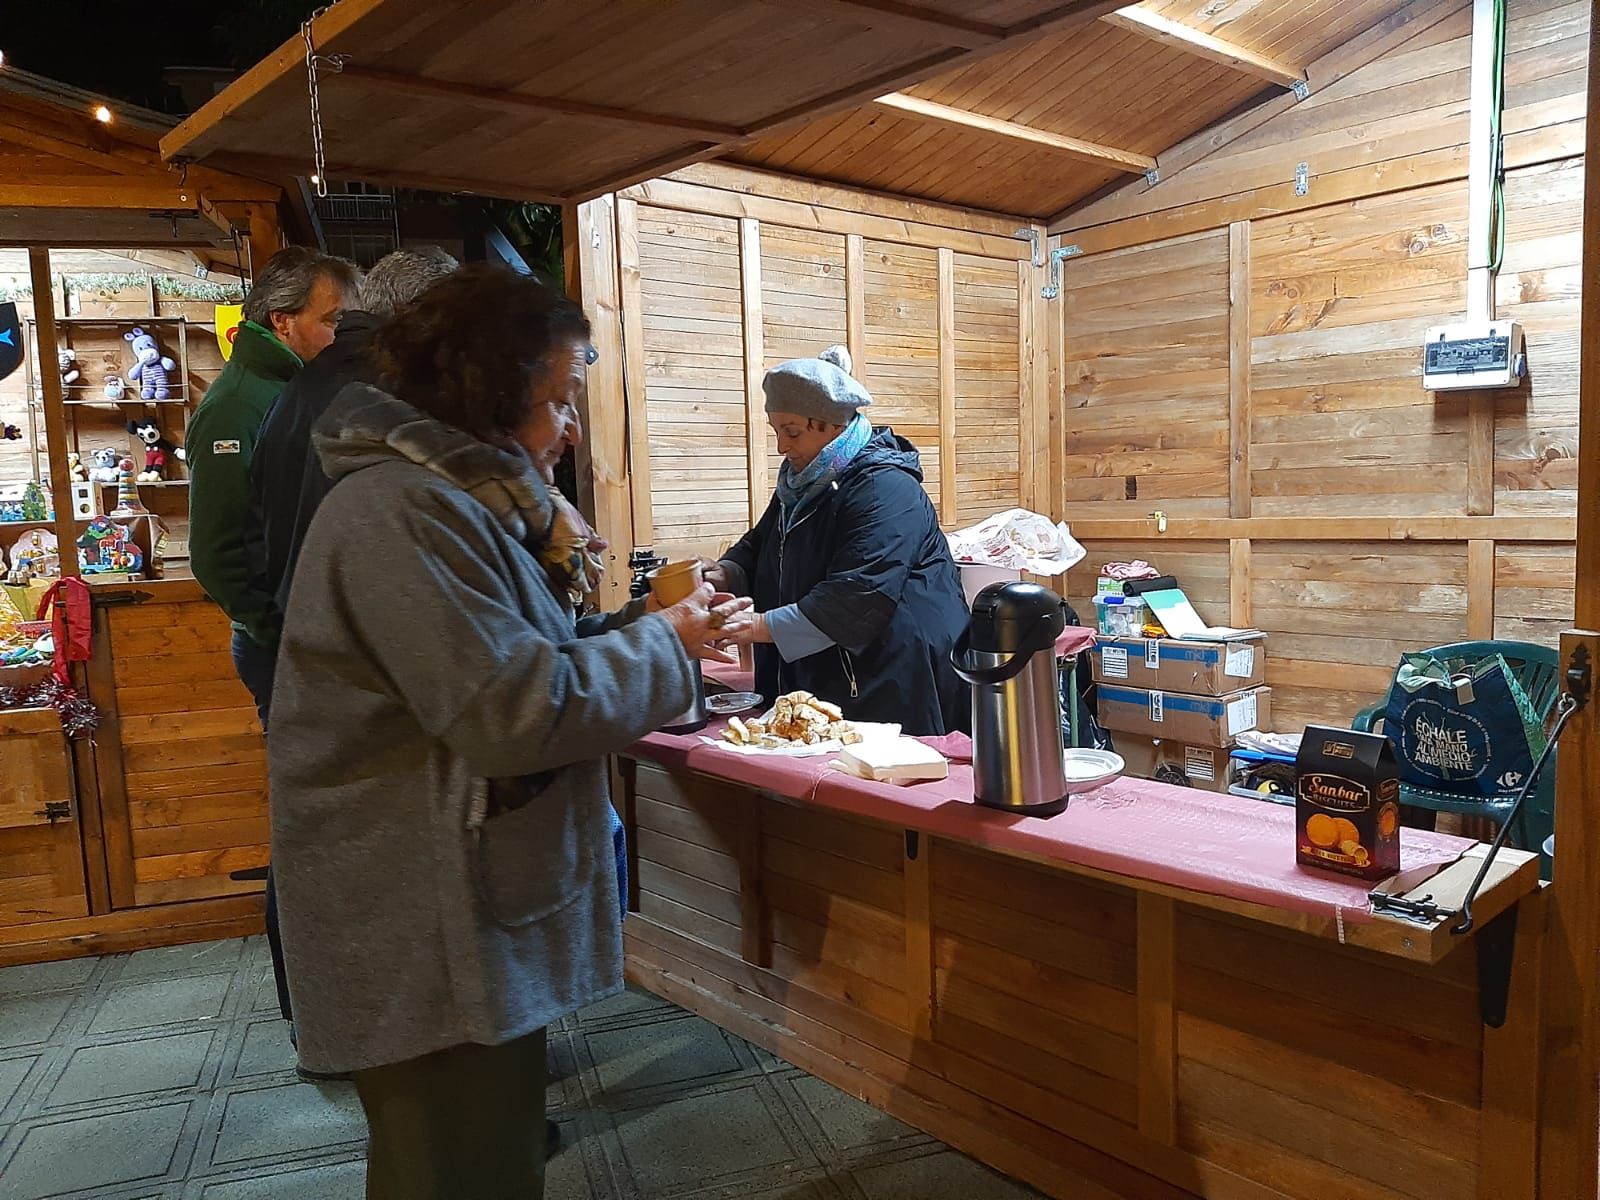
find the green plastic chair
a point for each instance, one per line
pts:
(1537, 669)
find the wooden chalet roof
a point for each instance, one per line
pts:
(1025, 107)
(67, 179)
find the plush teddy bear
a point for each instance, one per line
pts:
(76, 471)
(115, 389)
(150, 365)
(156, 449)
(104, 469)
(67, 364)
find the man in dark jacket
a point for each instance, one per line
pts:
(858, 597)
(287, 481)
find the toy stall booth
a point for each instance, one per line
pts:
(120, 731)
(1281, 308)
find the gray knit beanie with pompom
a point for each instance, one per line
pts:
(821, 388)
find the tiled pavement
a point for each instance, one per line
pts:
(167, 1075)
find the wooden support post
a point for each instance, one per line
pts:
(266, 236)
(590, 233)
(1480, 453)
(1240, 608)
(855, 302)
(55, 412)
(1569, 1073)
(755, 414)
(1569, 1080)
(1239, 369)
(1055, 336)
(631, 294)
(949, 498)
(1480, 590)
(1033, 375)
(1158, 1019)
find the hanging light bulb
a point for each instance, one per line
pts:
(102, 114)
(2, 58)
(316, 180)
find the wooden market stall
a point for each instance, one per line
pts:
(1163, 271)
(130, 838)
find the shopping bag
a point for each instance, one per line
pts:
(1462, 725)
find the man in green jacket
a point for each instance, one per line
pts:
(289, 318)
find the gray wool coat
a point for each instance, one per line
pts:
(440, 840)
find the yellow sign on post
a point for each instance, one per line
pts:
(228, 318)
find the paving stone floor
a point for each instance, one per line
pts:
(167, 1075)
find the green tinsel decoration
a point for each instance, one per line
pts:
(168, 287)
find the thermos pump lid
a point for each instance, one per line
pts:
(1016, 618)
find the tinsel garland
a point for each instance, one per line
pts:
(79, 717)
(169, 287)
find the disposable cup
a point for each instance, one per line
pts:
(675, 582)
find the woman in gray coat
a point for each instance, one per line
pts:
(440, 833)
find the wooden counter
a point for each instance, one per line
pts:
(171, 797)
(1094, 1034)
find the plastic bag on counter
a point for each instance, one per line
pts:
(1018, 540)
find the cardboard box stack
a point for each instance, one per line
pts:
(1176, 705)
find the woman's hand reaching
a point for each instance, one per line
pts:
(706, 619)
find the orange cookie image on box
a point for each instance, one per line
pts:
(1388, 820)
(1347, 831)
(1323, 830)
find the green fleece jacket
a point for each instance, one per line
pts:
(220, 441)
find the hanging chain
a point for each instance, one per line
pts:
(334, 62)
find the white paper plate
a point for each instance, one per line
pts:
(1089, 769)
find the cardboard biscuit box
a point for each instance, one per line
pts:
(1192, 720)
(1191, 665)
(1347, 803)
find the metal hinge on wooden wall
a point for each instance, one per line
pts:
(1035, 243)
(1053, 289)
(56, 810)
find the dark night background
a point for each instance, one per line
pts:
(121, 49)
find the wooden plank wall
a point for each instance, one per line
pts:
(726, 277)
(182, 764)
(1248, 363)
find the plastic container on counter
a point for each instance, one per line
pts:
(1120, 616)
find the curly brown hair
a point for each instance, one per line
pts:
(468, 349)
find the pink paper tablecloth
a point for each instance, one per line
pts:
(1220, 845)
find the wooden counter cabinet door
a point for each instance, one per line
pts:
(180, 754)
(41, 854)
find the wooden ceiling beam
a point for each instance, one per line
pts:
(1093, 152)
(555, 106)
(1202, 45)
(287, 167)
(911, 20)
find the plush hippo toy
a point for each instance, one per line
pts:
(150, 366)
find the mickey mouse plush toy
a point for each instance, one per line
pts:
(156, 449)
